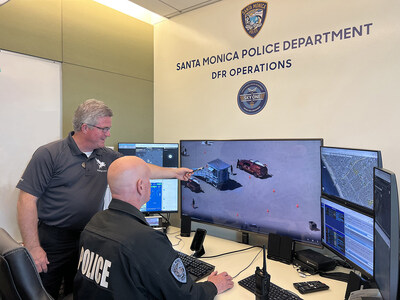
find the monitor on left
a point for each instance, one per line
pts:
(164, 192)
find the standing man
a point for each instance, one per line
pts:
(122, 257)
(62, 187)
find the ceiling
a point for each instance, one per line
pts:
(172, 8)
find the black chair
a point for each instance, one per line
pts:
(19, 277)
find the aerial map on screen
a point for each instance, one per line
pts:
(348, 174)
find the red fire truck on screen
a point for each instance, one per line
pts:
(253, 167)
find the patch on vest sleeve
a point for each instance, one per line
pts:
(178, 270)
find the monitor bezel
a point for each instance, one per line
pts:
(365, 273)
(347, 202)
(243, 231)
(147, 143)
(394, 277)
(150, 212)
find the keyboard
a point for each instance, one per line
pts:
(196, 268)
(275, 292)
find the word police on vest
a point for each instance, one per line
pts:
(94, 267)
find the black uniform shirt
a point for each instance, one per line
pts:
(70, 186)
(122, 257)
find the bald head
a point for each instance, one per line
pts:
(128, 178)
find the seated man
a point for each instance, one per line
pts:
(122, 257)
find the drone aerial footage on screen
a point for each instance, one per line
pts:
(164, 192)
(347, 174)
(261, 186)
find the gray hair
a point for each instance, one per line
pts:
(88, 113)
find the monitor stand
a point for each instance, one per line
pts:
(200, 252)
(245, 238)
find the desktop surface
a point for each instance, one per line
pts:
(282, 274)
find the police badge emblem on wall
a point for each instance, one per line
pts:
(252, 97)
(253, 17)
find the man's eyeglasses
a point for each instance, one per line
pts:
(104, 129)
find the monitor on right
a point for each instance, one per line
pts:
(347, 174)
(349, 233)
(386, 234)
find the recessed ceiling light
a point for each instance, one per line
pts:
(3, 2)
(131, 9)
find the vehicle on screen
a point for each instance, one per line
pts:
(253, 167)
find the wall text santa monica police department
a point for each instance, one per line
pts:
(301, 42)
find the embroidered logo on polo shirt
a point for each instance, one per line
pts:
(101, 165)
(178, 270)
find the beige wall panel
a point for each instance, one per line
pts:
(345, 91)
(32, 27)
(130, 99)
(98, 37)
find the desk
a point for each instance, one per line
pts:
(282, 274)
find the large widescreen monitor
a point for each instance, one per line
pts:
(261, 186)
(347, 174)
(164, 192)
(348, 233)
(387, 232)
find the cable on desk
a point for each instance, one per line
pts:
(166, 218)
(176, 233)
(226, 253)
(233, 277)
(301, 273)
(179, 241)
(172, 233)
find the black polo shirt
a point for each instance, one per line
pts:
(70, 186)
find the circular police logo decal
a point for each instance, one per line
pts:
(252, 97)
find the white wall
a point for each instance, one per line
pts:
(344, 91)
(30, 116)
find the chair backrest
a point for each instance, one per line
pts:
(19, 277)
